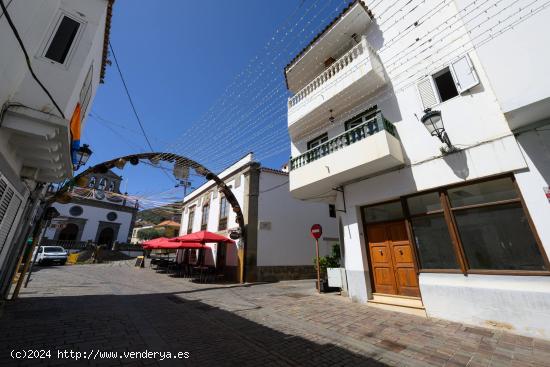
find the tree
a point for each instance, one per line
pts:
(149, 234)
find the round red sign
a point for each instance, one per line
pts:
(316, 231)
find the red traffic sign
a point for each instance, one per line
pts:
(316, 231)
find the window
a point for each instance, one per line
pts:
(431, 234)
(223, 213)
(332, 210)
(445, 85)
(317, 141)
(112, 216)
(456, 78)
(363, 117)
(493, 227)
(190, 220)
(486, 219)
(92, 182)
(102, 184)
(63, 39)
(76, 211)
(86, 91)
(112, 186)
(383, 212)
(205, 215)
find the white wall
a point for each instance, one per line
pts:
(514, 303)
(516, 61)
(288, 242)
(94, 215)
(535, 147)
(35, 22)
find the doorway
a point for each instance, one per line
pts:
(391, 259)
(69, 233)
(106, 237)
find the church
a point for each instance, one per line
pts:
(98, 213)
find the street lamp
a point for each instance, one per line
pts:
(82, 155)
(434, 124)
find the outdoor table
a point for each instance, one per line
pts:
(203, 273)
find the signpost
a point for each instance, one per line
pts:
(316, 232)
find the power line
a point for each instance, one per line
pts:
(27, 58)
(133, 106)
(130, 98)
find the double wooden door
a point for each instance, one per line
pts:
(391, 259)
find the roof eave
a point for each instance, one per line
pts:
(324, 31)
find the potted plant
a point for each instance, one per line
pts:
(327, 264)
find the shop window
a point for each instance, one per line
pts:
(498, 238)
(482, 193)
(431, 233)
(493, 227)
(383, 212)
(433, 242)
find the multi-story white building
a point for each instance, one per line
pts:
(53, 55)
(279, 245)
(460, 230)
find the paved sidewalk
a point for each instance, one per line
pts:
(116, 307)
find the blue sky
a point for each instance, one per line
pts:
(179, 58)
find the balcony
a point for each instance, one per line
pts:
(364, 150)
(340, 87)
(39, 142)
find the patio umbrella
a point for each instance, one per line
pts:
(202, 237)
(166, 244)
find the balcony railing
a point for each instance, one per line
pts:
(334, 69)
(353, 135)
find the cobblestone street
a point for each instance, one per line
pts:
(116, 307)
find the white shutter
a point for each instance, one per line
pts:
(427, 93)
(10, 203)
(464, 74)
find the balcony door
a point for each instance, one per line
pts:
(391, 259)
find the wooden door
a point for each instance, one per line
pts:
(391, 259)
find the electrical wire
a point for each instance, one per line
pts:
(27, 58)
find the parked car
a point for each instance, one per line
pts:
(50, 254)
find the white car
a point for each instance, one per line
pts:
(50, 254)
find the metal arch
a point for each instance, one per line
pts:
(168, 157)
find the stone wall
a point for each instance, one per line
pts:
(274, 273)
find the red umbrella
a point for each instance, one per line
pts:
(202, 237)
(164, 243)
(153, 242)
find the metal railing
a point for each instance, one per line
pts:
(353, 135)
(331, 71)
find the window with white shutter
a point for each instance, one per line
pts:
(427, 93)
(10, 203)
(464, 74)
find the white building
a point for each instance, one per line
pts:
(463, 235)
(99, 214)
(53, 56)
(279, 245)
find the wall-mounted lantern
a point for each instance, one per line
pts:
(81, 156)
(433, 122)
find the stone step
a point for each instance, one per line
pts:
(409, 305)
